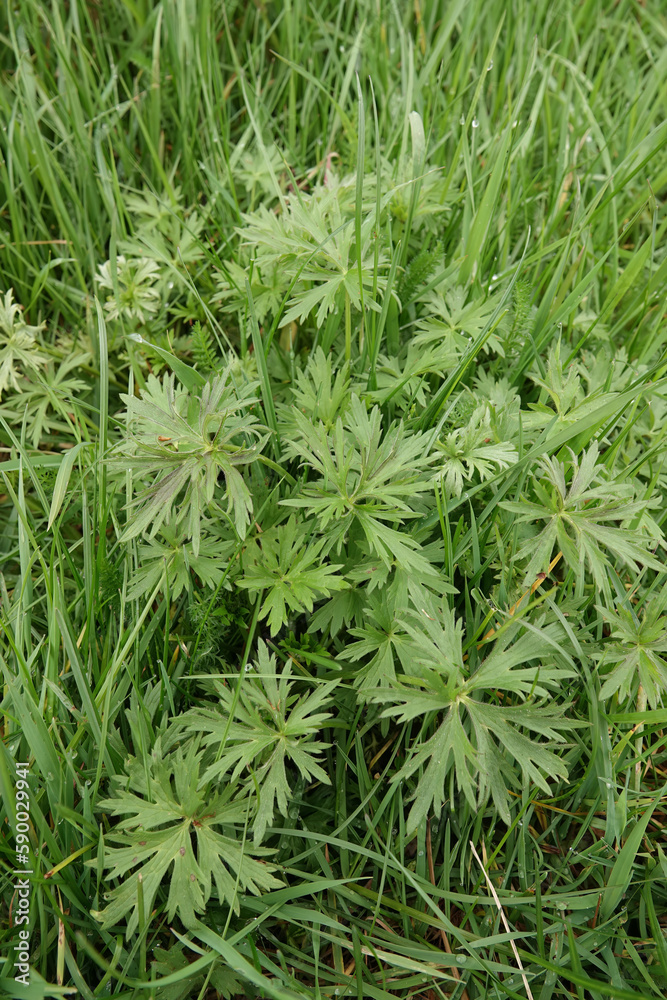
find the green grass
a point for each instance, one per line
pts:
(333, 431)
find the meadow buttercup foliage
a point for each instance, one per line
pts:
(164, 816)
(186, 442)
(334, 441)
(19, 347)
(348, 536)
(131, 288)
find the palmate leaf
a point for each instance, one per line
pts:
(342, 609)
(19, 349)
(184, 441)
(170, 554)
(636, 651)
(452, 322)
(367, 478)
(314, 241)
(47, 395)
(404, 380)
(317, 393)
(585, 521)
(285, 563)
(381, 637)
(267, 729)
(472, 449)
(483, 744)
(164, 815)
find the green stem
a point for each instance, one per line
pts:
(642, 702)
(348, 327)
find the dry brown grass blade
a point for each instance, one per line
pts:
(504, 920)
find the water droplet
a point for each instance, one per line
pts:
(50, 776)
(170, 285)
(248, 667)
(462, 120)
(215, 138)
(461, 959)
(475, 123)
(489, 67)
(494, 277)
(589, 138)
(514, 124)
(88, 782)
(420, 854)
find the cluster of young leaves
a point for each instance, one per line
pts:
(284, 562)
(635, 652)
(358, 565)
(184, 441)
(19, 348)
(312, 248)
(473, 448)
(589, 523)
(308, 248)
(263, 726)
(131, 284)
(365, 478)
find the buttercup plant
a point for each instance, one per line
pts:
(333, 451)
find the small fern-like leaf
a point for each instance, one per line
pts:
(203, 350)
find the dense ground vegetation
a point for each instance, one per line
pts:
(333, 440)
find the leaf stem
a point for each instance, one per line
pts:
(641, 707)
